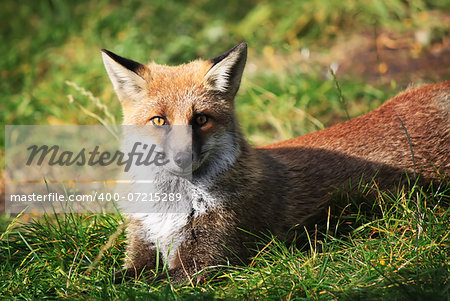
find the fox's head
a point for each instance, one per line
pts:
(190, 108)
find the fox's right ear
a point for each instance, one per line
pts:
(127, 76)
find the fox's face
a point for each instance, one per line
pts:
(189, 108)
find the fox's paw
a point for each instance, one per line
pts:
(132, 274)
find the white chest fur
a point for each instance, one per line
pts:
(164, 224)
(165, 230)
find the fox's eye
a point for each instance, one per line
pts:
(158, 121)
(201, 120)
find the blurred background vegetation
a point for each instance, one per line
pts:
(376, 47)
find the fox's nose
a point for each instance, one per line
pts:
(183, 159)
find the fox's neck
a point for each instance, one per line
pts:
(225, 155)
(236, 168)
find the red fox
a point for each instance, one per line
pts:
(235, 186)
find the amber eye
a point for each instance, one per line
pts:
(158, 121)
(201, 120)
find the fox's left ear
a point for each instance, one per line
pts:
(127, 76)
(225, 75)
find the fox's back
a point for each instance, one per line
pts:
(410, 133)
(415, 123)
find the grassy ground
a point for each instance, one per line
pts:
(395, 249)
(378, 47)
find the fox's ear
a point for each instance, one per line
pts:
(225, 75)
(127, 76)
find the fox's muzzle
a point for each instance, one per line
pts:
(183, 159)
(178, 149)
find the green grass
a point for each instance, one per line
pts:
(277, 107)
(394, 249)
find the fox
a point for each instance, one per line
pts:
(236, 190)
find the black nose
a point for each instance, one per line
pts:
(183, 159)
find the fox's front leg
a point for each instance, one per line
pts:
(203, 252)
(188, 269)
(141, 256)
(141, 260)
